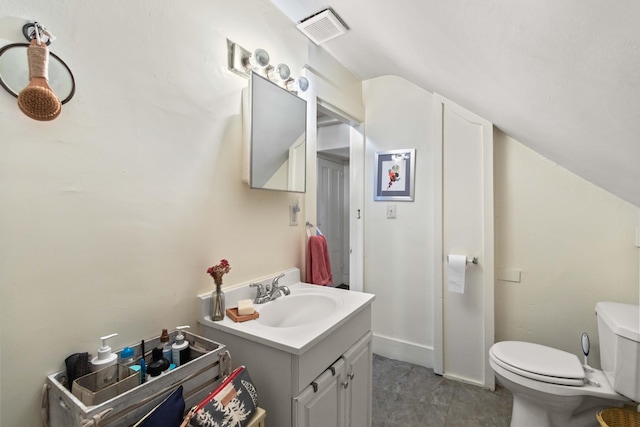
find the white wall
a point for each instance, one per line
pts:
(333, 137)
(573, 242)
(113, 212)
(399, 252)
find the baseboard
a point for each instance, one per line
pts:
(404, 351)
(467, 381)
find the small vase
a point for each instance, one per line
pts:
(217, 303)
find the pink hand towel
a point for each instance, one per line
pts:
(318, 262)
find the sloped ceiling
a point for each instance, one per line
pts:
(562, 77)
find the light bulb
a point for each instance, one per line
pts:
(298, 84)
(258, 59)
(278, 74)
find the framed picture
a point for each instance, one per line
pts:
(395, 175)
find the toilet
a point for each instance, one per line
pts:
(551, 388)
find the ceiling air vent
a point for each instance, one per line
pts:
(322, 26)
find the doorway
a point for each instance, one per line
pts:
(339, 210)
(332, 187)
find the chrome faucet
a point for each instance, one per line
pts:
(269, 292)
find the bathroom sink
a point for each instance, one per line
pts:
(292, 323)
(297, 309)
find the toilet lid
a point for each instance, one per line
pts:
(539, 362)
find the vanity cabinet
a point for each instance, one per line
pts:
(284, 377)
(341, 395)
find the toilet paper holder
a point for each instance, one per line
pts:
(474, 260)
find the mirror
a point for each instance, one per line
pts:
(14, 72)
(275, 123)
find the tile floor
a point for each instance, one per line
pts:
(406, 395)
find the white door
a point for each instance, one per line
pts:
(464, 322)
(331, 212)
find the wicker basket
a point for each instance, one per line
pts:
(617, 417)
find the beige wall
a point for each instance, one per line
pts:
(573, 242)
(112, 213)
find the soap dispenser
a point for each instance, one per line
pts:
(180, 349)
(105, 357)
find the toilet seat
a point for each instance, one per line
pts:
(539, 362)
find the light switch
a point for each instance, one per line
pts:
(391, 211)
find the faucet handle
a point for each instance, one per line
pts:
(260, 288)
(276, 279)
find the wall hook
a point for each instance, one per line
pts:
(35, 30)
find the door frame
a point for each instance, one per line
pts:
(356, 208)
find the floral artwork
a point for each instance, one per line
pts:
(396, 172)
(395, 175)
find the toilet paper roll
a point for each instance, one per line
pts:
(456, 268)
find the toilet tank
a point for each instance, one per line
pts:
(619, 333)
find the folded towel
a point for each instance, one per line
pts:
(318, 269)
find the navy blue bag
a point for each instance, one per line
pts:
(169, 413)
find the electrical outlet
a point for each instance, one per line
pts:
(391, 211)
(638, 237)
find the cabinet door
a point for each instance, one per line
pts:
(322, 403)
(358, 387)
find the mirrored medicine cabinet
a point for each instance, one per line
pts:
(274, 134)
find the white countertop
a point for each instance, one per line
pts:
(292, 339)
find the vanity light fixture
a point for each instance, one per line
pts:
(243, 62)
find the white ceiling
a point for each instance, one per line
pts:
(562, 77)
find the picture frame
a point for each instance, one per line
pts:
(395, 175)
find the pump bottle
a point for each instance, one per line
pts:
(180, 349)
(105, 357)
